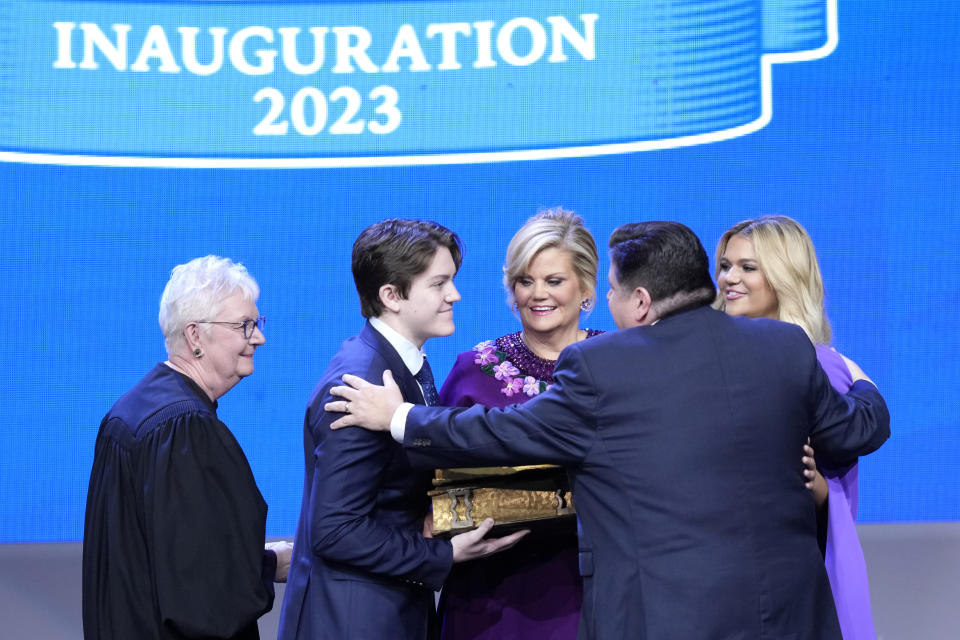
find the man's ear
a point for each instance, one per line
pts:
(643, 309)
(390, 297)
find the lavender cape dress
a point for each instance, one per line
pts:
(533, 590)
(846, 567)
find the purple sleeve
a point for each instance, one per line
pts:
(467, 385)
(835, 368)
(844, 560)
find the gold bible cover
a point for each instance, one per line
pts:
(514, 497)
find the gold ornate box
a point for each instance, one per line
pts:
(515, 497)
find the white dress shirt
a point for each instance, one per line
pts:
(412, 357)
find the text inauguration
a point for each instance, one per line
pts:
(260, 50)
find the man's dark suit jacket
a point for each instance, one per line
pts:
(683, 441)
(361, 568)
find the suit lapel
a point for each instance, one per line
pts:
(405, 380)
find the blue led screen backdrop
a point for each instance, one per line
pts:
(135, 136)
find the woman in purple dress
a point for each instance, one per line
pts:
(532, 590)
(767, 267)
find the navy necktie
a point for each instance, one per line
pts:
(425, 378)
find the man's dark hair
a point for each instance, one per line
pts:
(667, 259)
(395, 252)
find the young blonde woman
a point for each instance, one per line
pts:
(767, 267)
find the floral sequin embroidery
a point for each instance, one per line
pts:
(509, 360)
(486, 355)
(505, 370)
(512, 386)
(531, 386)
(496, 363)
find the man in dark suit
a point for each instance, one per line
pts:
(681, 434)
(364, 566)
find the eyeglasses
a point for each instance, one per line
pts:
(247, 325)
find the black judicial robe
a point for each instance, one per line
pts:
(174, 528)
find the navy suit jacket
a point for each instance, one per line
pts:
(361, 568)
(683, 441)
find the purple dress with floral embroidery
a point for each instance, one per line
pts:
(534, 589)
(844, 560)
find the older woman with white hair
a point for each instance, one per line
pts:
(174, 531)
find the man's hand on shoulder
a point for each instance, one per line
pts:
(366, 405)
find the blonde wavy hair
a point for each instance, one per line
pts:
(553, 228)
(786, 256)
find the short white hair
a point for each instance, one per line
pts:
(196, 290)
